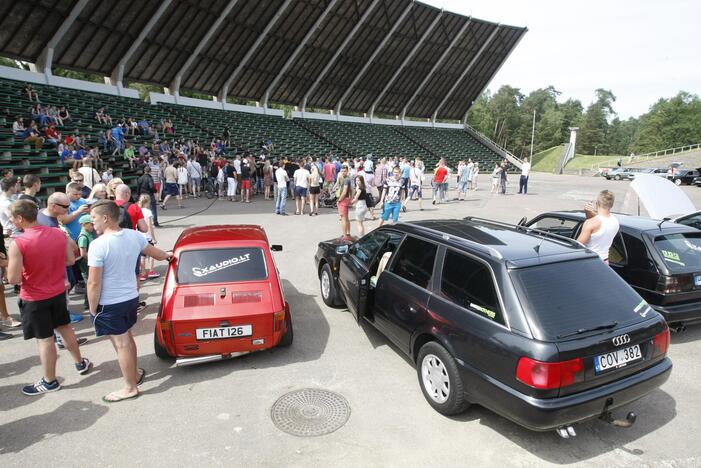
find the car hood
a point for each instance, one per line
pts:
(659, 197)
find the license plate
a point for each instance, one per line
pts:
(224, 332)
(697, 280)
(616, 359)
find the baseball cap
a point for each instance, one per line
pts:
(85, 219)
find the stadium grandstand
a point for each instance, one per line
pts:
(387, 77)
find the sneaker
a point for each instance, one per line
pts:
(141, 306)
(11, 323)
(42, 386)
(79, 289)
(153, 274)
(84, 366)
(5, 336)
(142, 278)
(59, 342)
(75, 318)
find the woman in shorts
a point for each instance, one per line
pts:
(314, 190)
(360, 202)
(182, 179)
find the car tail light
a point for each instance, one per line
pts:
(661, 342)
(675, 284)
(549, 375)
(279, 318)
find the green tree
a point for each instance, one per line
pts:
(670, 123)
(595, 124)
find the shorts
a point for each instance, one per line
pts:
(116, 319)
(462, 187)
(171, 189)
(361, 209)
(157, 187)
(195, 181)
(315, 190)
(391, 209)
(343, 207)
(245, 184)
(40, 318)
(414, 190)
(300, 192)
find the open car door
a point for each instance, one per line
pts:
(356, 268)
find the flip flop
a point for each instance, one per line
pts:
(118, 398)
(142, 376)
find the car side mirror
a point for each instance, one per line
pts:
(523, 221)
(650, 265)
(276, 248)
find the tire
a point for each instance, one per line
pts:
(435, 362)
(616, 177)
(678, 181)
(327, 286)
(288, 337)
(160, 351)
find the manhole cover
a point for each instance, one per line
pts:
(310, 412)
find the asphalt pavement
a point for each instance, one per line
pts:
(219, 414)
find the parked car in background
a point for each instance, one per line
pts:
(222, 296)
(685, 176)
(624, 173)
(502, 316)
(661, 260)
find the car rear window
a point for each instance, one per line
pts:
(561, 298)
(221, 266)
(680, 251)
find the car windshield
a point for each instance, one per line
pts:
(221, 266)
(680, 251)
(561, 298)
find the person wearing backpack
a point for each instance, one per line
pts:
(130, 214)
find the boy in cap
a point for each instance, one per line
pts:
(86, 236)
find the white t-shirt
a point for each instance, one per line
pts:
(301, 177)
(281, 177)
(117, 255)
(416, 176)
(182, 175)
(148, 216)
(90, 176)
(7, 223)
(525, 169)
(194, 169)
(237, 166)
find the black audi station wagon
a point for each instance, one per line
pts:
(528, 324)
(661, 260)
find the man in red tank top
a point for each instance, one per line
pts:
(38, 260)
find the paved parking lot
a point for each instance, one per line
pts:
(218, 414)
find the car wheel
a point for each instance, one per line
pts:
(678, 181)
(160, 351)
(616, 177)
(439, 379)
(287, 338)
(328, 287)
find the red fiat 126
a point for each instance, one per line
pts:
(222, 296)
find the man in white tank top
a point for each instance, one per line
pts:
(601, 227)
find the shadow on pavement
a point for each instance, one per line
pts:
(311, 336)
(71, 416)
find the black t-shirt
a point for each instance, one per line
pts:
(290, 168)
(230, 172)
(24, 196)
(245, 172)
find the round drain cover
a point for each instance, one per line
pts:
(310, 412)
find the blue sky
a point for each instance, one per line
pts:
(641, 50)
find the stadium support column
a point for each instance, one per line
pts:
(404, 63)
(46, 57)
(223, 93)
(117, 77)
(359, 75)
(177, 81)
(297, 51)
(435, 67)
(466, 71)
(338, 52)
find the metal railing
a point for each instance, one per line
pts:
(499, 149)
(647, 156)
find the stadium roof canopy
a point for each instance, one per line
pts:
(391, 57)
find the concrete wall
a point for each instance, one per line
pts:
(53, 80)
(155, 98)
(366, 120)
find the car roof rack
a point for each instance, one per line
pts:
(481, 247)
(518, 227)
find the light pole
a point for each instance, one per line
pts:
(532, 136)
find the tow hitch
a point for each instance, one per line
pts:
(606, 416)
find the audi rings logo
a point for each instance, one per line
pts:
(620, 340)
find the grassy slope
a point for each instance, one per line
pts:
(545, 161)
(582, 161)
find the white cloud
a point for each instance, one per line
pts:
(640, 50)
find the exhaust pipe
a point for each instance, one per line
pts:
(189, 361)
(628, 422)
(677, 327)
(566, 432)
